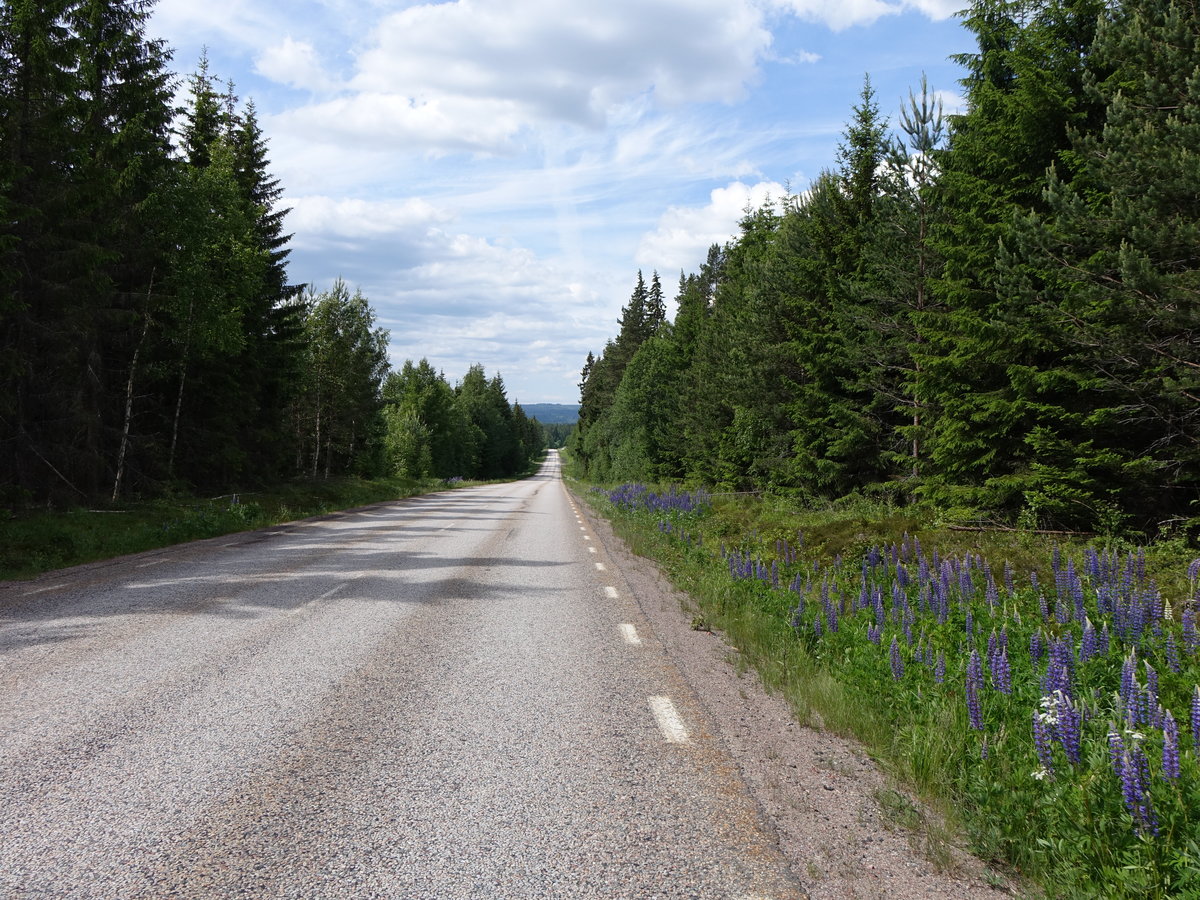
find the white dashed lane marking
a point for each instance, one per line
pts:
(611, 592)
(600, 567)
(53, 587)
(630, 634)
(669, 723)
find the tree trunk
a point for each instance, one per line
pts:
(116, 492)
(175, 424)
(317, 437)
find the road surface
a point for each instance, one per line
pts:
(448, 696)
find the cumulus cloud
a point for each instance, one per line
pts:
(232, 20)
(382, 121)
(953, 104)
(469, 75)
(295, 63)
(839, 15)
(685, 233)
(351, 217)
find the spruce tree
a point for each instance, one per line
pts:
(1114, 262)
(989, 360)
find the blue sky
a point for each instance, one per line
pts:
(493, 173)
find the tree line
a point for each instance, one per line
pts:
(997, 312)
(150, 339)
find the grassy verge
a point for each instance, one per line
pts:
(1041, 694)
(34, 542)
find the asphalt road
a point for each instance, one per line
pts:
(449, 696)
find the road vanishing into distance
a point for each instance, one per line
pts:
(448, 696)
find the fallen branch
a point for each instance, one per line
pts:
(1025, 530)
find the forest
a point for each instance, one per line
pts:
(151, 341)
(994, 312)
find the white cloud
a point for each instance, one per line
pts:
(245, 23)
(383, 121)
(953, 104)
(936, 9)
(685, 233)
(350, 217)
(295, 63)
(469, 75)
(804, 57)
(839, 15)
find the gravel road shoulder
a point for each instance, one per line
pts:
(818, 791)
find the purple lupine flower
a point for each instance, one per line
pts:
(939, 676)
(991, 593)
(1042, 607)
(1035, 646)
(1062, 613)
(1041, 742)
(974, 685)
(1130, 689)
(1135, 789)
(1105, 640)
(1058, 672)
(1116, 749)
(1008, 577)
(970, 622)
(1075, 585)
(1087, 647)
(896, 661)
(1190, 639)
(1170, 760)
(1001, 672)
(1153, 710)
(1196, 719)
(1067, 724)
(1172, 653)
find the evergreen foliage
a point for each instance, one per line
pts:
(994, 312)
(468, 431)
(150, 339)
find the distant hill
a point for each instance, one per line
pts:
(552, 413)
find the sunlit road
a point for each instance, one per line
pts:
(449, 696)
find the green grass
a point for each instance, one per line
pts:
(32, 542)
(1071, 832)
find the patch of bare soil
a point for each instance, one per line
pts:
(847, 830)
